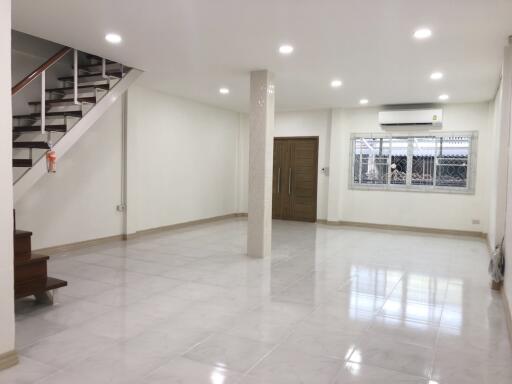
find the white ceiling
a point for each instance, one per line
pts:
(191, 48)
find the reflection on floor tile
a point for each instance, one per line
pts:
(332, 305)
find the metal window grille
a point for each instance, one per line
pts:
(436, 163)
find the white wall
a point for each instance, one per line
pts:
(186, 159)
(337, 202)
(290, 124)
(79, 202)
(310, 123)
(183, 159)
(504, 117)
(416, 209)
(6, 224)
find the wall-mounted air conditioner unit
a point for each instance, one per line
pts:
(412, 117)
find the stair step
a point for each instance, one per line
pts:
(31, 287)
(81, 87)
(87, 66)
(108, 73)
(49, 114)
(90, 56)
(60, 101)
(22, 245)
(53, 283)
(34, 259)
(31, 144)
(37, 128)
(21, 233)
(22, 163)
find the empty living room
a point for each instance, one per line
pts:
(256, 192)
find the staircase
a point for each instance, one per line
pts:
(56, 122)
(30, 270)
(63, 109)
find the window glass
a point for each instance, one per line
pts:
(371, 161)
(452, 162)
(399, 149)
(441, 162)
(423, 159)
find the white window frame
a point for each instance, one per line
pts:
(471, 166)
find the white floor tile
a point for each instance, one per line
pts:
(332, 305)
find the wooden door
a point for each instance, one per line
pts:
(294, 192)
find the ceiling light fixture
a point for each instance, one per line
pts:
(364, 101)
(444, 97)
(224, 91)
(336, 83)
(113, 38)
(285, 49)
(422, 33)
(436, 76)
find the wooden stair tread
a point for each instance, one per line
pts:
(86, 66)
(90, 56)
(53, 283)
(91, 99)
(37, 128)
(31, 144)
(101, 86)
(49, 114)
(34, 259)
(108, 73)
(21, 233)
(22, 163)
(36, 286)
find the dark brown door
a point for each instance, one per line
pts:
(294, 191)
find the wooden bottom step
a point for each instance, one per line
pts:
(39, 286)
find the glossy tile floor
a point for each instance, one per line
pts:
(332, 305)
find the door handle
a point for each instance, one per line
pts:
(278, 180)
(289, 182)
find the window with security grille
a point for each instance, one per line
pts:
(441, 162)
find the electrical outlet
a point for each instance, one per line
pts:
(476, 221)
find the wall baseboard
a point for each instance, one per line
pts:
(78, 245)
(8, 360)
(90, 243)
(508, 313)
(438, 231)
(186, 224)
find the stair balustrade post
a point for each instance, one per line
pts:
(43, 101)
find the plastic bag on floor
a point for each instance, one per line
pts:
(497, 264)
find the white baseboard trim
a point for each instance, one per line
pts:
(392, 227)
(8, 360)
(89, 243)
(508, 313)
(182, 225)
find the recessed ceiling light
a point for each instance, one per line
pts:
(436, 76)
(285, 49)
(422, 33)
(444, 97)
(364, 101)
(113, 38)
(336, 83)
(224, 91)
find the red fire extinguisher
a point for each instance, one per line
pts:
(51, 161)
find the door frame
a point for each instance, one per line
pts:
(317, 141)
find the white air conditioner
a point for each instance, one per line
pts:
(412, 117)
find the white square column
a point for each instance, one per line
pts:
(261, 152)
